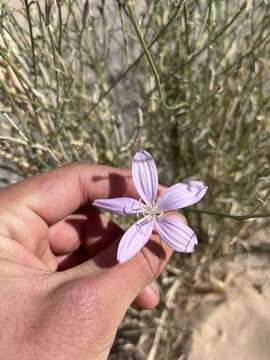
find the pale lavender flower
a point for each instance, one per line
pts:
(177, 235)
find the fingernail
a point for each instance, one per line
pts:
(154, 287)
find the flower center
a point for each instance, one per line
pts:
(152, 211)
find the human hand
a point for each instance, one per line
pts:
(47, 225)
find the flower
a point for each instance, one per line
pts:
(177, 235)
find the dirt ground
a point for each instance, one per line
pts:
(237, 327)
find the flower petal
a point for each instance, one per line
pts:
(145, 177)
(134, 239)
(182, 195)
(177, 235)
(119, 206)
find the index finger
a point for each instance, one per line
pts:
(56, 194)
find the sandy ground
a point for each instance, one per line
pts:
(238, 326)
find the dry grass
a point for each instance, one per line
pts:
(188, 81)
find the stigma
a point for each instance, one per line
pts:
(152, 211)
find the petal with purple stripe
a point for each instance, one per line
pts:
(145, 176)
(134, 239)
(177, 235)
(182, 195)
(119, 206)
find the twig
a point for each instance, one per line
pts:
(135, 62)
(149, 58)
(60, 20)
(14, 125)
(218, 35)
(169, 301)
(230, 216)
(27, 6)
(11, 139)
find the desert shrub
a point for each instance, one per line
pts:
(188, 81)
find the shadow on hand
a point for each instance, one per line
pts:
(95, 232)
(117, 184)
(99, 237)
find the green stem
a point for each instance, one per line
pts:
(56, 75)
(226, 27)
(60, 28)
(31, 39)
(27, 87)
(150, 59)
(186, 29)
(230, 216)
(123, 29)
(27, 134)
(135, 62)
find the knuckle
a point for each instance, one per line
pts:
(23, 225)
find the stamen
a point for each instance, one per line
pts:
(152, 211)
(133, 209)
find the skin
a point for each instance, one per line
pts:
(62, 293)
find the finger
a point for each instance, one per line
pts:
(58, 193)
(123, 282)
(148, 298)
(88, 228)
(51, 197)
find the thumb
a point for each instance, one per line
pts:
(120, 284)
(92, 298)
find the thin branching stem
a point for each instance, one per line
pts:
(6, 93)
(60, 27)
(230, 216)
(149, 58)
(215, 38)
(136, 61)
(56, 71)
(29, 20)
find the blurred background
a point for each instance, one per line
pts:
(188, 81)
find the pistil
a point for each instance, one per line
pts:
(152, 211)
